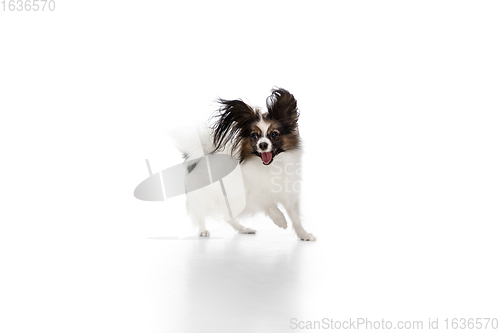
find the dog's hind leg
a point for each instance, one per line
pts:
(202, 229)
(199, 224)
(240, 228)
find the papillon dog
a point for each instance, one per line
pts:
(268, 148)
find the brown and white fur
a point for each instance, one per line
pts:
(268, 148)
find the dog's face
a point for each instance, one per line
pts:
(259, 134)
(267, 139)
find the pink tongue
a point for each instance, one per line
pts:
(266, 157)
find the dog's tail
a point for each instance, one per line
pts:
(193, 141)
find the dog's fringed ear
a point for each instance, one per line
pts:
(233, 117)
(282, 106)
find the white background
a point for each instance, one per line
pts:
(400, 115)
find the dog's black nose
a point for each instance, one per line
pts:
(263, 145)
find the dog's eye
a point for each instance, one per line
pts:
(255, 136)
(274, 134)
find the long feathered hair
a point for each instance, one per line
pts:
(233, 122)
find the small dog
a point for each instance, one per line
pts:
(267, 146)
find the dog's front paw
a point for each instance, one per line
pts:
(308, 237)
(247, 231)
(205, 233)
(280, 222)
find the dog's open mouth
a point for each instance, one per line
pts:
(267, 157)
